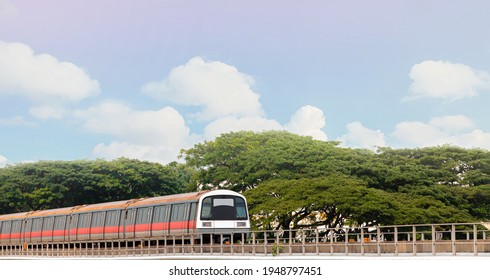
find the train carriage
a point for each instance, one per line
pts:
(201, 214)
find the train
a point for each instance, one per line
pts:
(202, 216)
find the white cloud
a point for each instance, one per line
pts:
(308, 121)
(148, 135)
(163, 127)
(453, 124)
(419, 134)
(359, 136)
(220, 89)
(228, 124)
(3, 161)
(455, 130)
(47, 112)
(446, 80)
(15, 121)
(153, 153)
(42, 79)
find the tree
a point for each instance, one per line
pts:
(242, 160)
(325, 201)
(435, 184)
(54, 184)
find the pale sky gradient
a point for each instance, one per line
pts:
(144, 79)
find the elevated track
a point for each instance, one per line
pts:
(461, 239)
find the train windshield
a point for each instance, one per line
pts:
(223, 208)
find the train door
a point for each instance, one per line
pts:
(191, 225)
(83, 227)
(111, 224)
(129, 223)
(37, 226)
(27, 230)
(179, 221)
(15, 231)
(97, 225)
(160, 220)
(142, 224)
(59, 228)
(6, 225)
(72, 227)
(47, 230)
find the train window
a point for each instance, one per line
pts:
(240, 209)
(37, 224)
(160, 214)
(178, 212)
(98, 219)
(74, 221)
(16, 226)
(84, 220)
(143, 216)
(111, 218)
(223, 202)
(28, 226)
(193, 212)
(48, 223)
(6, 227)
(130, 216)
(207, 204)
(224, 208)
(59, 222)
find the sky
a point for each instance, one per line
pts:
(144, 79)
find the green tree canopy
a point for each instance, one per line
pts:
(242, 160)
(53, 184)
(328, 201)
(289, 177)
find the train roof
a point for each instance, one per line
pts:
(184, 197)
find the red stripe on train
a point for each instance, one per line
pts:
(100, 230)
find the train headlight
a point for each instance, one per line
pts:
(241, 224)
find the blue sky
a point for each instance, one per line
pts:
(143, 79)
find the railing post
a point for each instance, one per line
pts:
(183, 244)
(317, 236)
(346, 241)
(433, 240)
(362, 241)
(243, 243)
(200, 243)
(221, 243)
(453, 239)
(378, 240)
(173, 244)
(414, 240)
(304, 242)
(278, 246)
(253, 243)
(396, 241)
(475, 240)
(331, 241)
(265, 243)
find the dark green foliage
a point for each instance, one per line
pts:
(241, 160)
(289, 178)
(53, 184)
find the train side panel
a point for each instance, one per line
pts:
(140, 218)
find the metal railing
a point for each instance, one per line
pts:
(471, 239)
